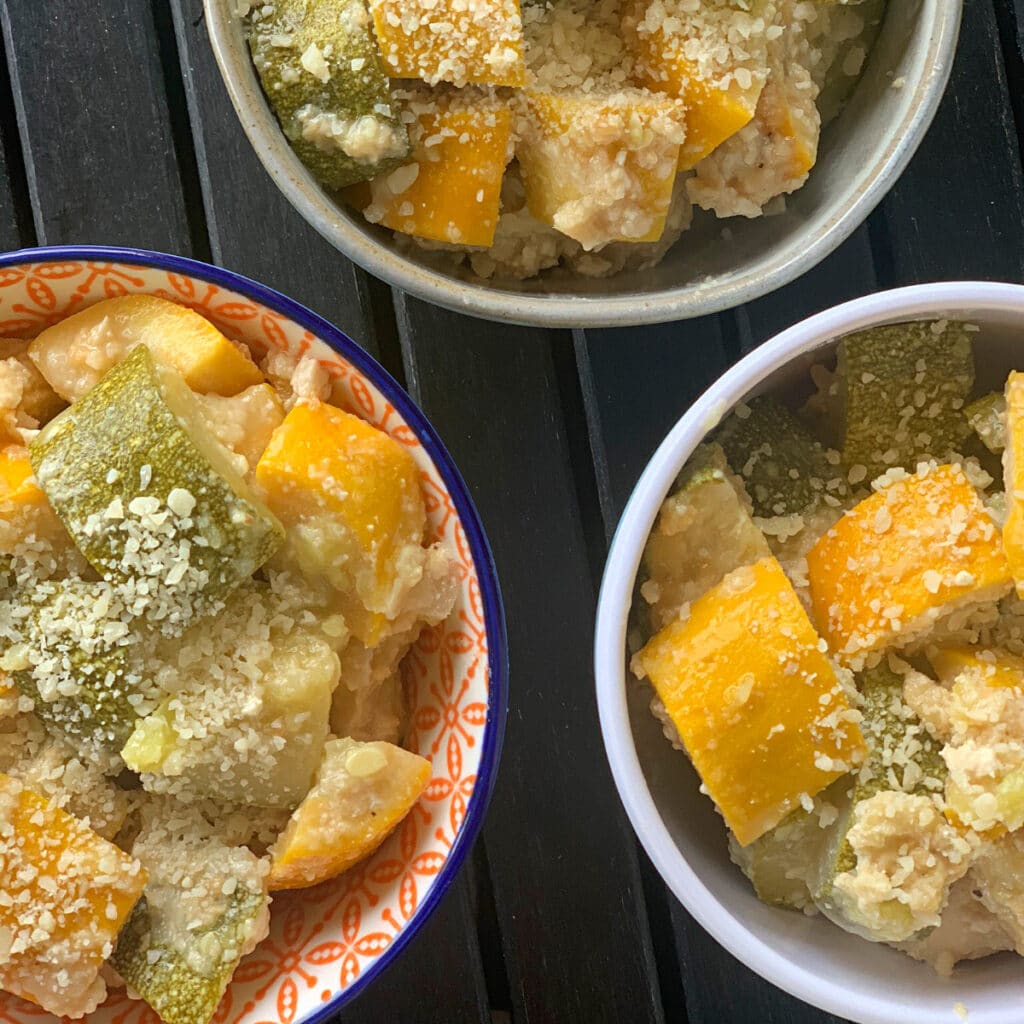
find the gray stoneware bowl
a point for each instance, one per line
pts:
(862, 154)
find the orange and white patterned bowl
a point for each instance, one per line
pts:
(328, 942)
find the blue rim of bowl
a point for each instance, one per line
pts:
(483, 560)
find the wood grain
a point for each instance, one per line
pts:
(561, 856)
(94, 123)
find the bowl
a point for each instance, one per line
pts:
(808, 957)
(861, 155)
(328, 943)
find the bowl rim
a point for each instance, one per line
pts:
(616, 596)
(697, 298)
(483, 559)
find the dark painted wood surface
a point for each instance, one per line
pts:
(115, 128)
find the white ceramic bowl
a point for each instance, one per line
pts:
(861, 155)
(808, 957)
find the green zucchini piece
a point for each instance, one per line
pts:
(987, 417)
(704, 531)
(252, 732)
(154, 503)
(781, 863)
(325, 79)
(902, 758)
(785, 470)
(204, 907)
(903, 388)
(77, 662)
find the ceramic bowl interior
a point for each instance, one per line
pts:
(710, 269)
(327, 942)
(808, 956)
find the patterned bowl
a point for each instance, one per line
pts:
(327, 943)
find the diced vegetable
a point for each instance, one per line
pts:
(75, 663)
(362, 792)
(204, 907)
(785, 470)
(349, 496)
(987, 417)
(999, 874)
(74, 354)
(903, 758)
(253, 731)
(450, 188)
(243, 423)
(903, 390)
(68, 893)
(691, 61)
(763, 715)
(901, 559)
(600, 168)
(38, 399)
(982, 701)
(149, 498)
(1013, 478)
(323, 75)
(451, 41)
(704, 530)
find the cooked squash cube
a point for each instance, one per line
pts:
(149, 497)
(1013, 478)
(38, 399)
(759, 707)
(784, 469)
(253, 732)
(704, 530)
(68, 893)
(349, 496)
(362, 792)
(323, 74)
(243, 423)
(74, 354)
(901, 559)
(204, 907)
(902, 391)
(720, 88)
(987, 417)
(600, 167)
(450, 189)
(457, 41)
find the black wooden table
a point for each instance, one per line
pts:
(115, 129)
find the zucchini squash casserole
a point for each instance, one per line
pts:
(830, 612)
(210, 576)
(573, 132)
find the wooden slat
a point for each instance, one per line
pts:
(561, 855)
(435, 979)
(252, 226)
(94, 123)
(846, 274)
(958, 211)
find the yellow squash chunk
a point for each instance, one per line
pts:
(755, 700)
(720, 90)
(74, 354)
(451, 40)
(450, 188)
(1013, 478)
(899, 560)
(600, 168)
(998, 668)
(68, 893)
(362, 792)
(349, 497)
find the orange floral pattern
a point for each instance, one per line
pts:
(323, 939)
